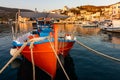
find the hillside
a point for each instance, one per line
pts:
(88, 8)
(9, 13)
(91, 8)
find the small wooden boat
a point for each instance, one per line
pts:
(46, 44)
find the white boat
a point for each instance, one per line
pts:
(114, 25)
(89, 24)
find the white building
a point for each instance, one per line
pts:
(65, 8)
(116, 9)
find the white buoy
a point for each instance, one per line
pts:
(13, 51)
(68, 37)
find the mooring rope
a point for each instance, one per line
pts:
(32, 59)
(55, 52)
(102, 54)
(63, 45)
(17, 53)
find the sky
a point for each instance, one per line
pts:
(45, 5)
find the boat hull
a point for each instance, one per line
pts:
(64, 47)
(44, 56)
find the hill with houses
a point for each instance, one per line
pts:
(9, 13)
(84, 12)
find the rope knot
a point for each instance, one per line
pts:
(31, 45)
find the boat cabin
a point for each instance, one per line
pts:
(42, 27)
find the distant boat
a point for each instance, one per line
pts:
(114, 26)
(46, 41)
(89, 24)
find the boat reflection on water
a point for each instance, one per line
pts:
(88, 30)
(25, 71)
(114, 38)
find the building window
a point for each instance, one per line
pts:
(118, 11)
(114, 12)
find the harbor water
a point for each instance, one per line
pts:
(81, 64)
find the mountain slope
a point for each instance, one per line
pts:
(9, 13)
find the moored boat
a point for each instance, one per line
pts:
(44, 44)
(89, 24)
(113, 26)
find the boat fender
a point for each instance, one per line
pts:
(13, 51)
(68, 37)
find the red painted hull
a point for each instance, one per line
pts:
(44, 56)
(64, 48)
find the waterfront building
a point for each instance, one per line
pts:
(116, 10)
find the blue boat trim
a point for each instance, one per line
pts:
(14, 43)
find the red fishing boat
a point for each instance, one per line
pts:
(44, 43)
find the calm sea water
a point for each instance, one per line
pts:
(81, 64)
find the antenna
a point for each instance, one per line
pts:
(36, 10)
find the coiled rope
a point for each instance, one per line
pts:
(59, 60)
(102, 54)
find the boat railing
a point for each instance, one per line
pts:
(19, 28)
